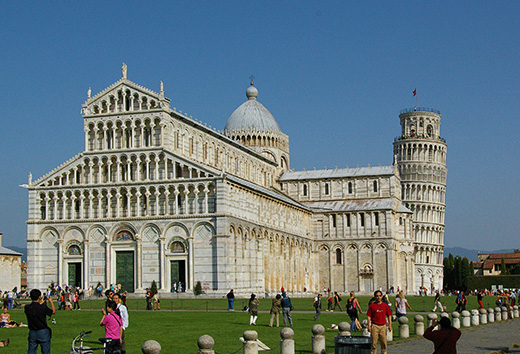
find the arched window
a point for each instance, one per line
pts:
(327, 189)
(376, 219)
(349, 187)
(375, 186)
(338, 255)
(304, 189)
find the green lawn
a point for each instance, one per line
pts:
(179, 324)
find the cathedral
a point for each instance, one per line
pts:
(159, 196)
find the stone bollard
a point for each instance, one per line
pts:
(365, 332)
(404, 330)
(455, 322)
(483, 316)
(419, 325)
(475, 318)
(206, 344)
(516, 314)
(318, 339)
(151, 347)
(491, 315)
(287, 342)
(466, 320)
(504, 313)
(445, 314)
(498, 314)
(431, 317)
(250, 344)
(344, 329)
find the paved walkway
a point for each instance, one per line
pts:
(474, 340)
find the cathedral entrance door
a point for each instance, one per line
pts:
(368, 284)
(125, 270)
(178, 274)
(74, 274)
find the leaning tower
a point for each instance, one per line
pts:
(420, 154)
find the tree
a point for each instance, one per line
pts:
(464, 272)
(153, 287)
(198, 288)
(471, 269)
(503, 269)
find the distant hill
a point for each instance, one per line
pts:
(22, 250)
(471, 255)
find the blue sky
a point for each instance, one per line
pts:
(334, 74)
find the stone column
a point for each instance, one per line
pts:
(151, 347)
(404, 330)
(206, 344)
(466, 321)
(483, 316)
(250, 344)
(318, 339)
(108, 276)
(455, 319)
(191, 268)
(287, 342)
(139, 273)
(60, 261)
(86, 265)
(344, 329)
(419, 325)
(431, 317)
(498, 314)
(474, 317)
(161, 261)
(504, 313)
(491, 315)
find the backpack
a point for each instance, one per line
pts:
(350, 306)
(339, 298)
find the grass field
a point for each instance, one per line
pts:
(179, 324)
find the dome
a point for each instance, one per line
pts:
(252, 115)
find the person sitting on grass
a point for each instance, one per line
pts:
(4, 343)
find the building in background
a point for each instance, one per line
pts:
(10, 268)
(158, 195)
(490, 263)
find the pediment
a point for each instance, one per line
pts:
(124, 96)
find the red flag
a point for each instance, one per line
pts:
(414, 92)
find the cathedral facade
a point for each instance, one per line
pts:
(159, 196)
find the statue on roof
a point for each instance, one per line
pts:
(89, 92)
(124, 71)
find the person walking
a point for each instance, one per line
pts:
(437, 302)
(286, 309)
(480, 298)
(75, 301)
(123, 313)
(337, 301)
(379, 314)
(113, 327)
(353, 307)
(444, 339)
(231, 300)
(253, 309)
(276, 308)
(36, 313)
(461, 302)
(401, 304)
(330, 301)
(317, 306)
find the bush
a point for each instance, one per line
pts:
(198, 288)
(485, 281)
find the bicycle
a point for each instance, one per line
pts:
(87, 350)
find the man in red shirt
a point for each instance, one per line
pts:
(378, 313)
(445, 339)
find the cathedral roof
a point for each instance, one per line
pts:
(339, 173)
(252, 116)
(359, 205)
